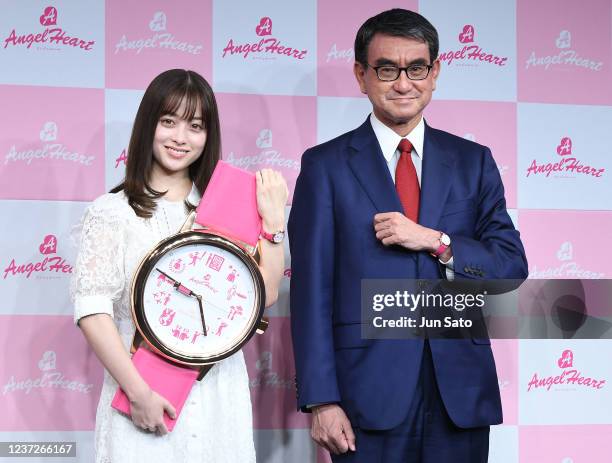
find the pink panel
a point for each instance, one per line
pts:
(50, 379)
(55, 146)
(564, 51)
(506, 362)
(565, 444)
(568, 248)
(269, 359)
(488, 123)
(270, 132)
(338, 22)
(144, 39)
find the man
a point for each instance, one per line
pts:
(368, 206)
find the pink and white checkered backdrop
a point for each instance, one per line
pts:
(532, 80)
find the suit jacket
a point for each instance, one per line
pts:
(342, 184)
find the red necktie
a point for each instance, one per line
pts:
(406, 181)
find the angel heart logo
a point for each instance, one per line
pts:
(565, 252)
(47, 361)
(564, 40)
(264, 27)
(264, 140)
(49, 16)
(467, 34)
(566, 360)
(49, 245)
(158, 23)
(265, 361)
(48, 132)
(565, 146)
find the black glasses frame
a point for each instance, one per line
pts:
(399, 71)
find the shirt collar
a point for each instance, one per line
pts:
(388, 139)
(194, 195)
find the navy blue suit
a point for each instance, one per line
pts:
(343, 183)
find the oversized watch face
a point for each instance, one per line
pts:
(197, 298)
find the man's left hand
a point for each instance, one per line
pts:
(394, 228)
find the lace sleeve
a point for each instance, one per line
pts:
(99, 278)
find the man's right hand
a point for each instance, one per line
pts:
(331, 429)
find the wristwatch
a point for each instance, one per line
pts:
(445, 242)
(274, 238)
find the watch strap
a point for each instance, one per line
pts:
(229, 204)
(271, 236)
(443, 247)
(167, 379)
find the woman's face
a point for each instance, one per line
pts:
(177, 142)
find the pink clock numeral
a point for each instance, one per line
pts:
(196, 335)
(215, 261)
(220, 328)
(231, 292)
(180, 333)
(196, 257)
(161, 279)
(235, 310)
(177, 265)
(161, 297)
(232, 275)
(166, 317)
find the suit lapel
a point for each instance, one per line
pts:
(369, 166)
(436, 179)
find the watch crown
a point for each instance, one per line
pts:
(262, 326)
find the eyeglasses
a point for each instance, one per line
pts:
(389, 73)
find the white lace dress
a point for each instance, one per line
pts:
(215, 424)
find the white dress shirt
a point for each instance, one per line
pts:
(389, 141)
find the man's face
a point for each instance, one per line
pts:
(398, 104)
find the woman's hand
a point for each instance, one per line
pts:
(272, 195)
(147, 408)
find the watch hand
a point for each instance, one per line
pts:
(199, 298)
(186, 291)
(181, 288)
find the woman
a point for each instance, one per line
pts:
(174, 147)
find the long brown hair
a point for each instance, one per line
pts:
(164, 95)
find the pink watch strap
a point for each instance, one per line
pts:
(229, 204)
(440, 250)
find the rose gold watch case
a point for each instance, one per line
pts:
(257, 322)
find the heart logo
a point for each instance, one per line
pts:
(158, 23)
(265, 361)
(565, 252)
(565, 146)
(566, 360)
(49, 132)
(49, 245)
(467, 34)
(265, 139)
(49, 17)
(264, 27)
(47, 361)
(564, 40)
